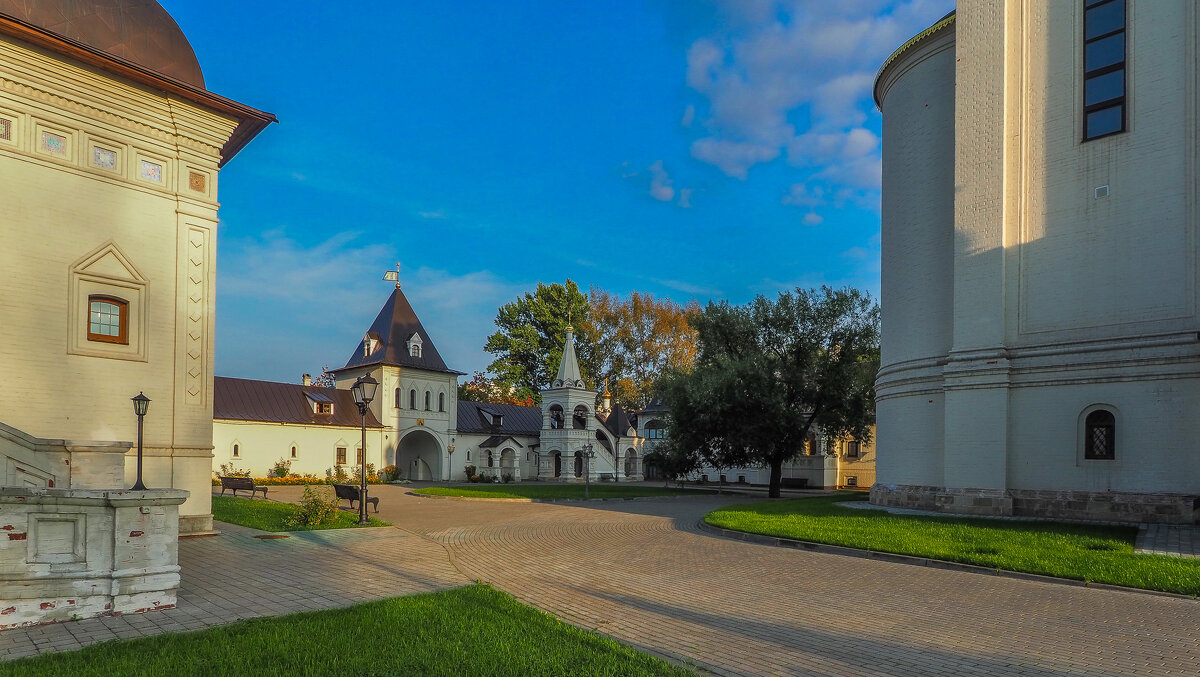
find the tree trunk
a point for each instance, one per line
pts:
(776, 477)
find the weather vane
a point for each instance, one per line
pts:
(393, 275)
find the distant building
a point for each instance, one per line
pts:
(1041, 336)
(416, 421)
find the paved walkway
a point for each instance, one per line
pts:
(643, 572)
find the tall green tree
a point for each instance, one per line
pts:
(528, 344)
(769, 372)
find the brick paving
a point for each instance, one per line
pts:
(642, 572)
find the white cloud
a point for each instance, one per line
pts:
(660, 183)
(685, 198)
(689, 116)
(307, 305)
(768, 66)
(803, 195)
(813, 219)
(437, 214)
(733, 158)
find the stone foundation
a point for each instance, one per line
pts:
(1084, 505)
(75, 553)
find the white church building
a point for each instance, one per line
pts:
(416, 422)
(1041, 335)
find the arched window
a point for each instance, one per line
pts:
(1100, 436)
(427, 400)
(414, 350)
(293, 451)
(556, 417)
(441, 401)
(491, 461)
(397, 398)
(412, 399)
(655, 430)
(236, 451)
(810, 445)
(108, 319)
(579, 419)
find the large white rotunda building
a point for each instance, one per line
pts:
(1041, 341)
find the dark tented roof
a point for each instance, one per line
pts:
(656, 406)
(518, 419)
(617, 422)
(394, 325)
(497, 440)
(240, 399)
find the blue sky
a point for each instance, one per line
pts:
(707, 149)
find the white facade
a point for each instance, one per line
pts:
(312, 449)
(1038, 284)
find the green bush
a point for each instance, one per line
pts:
(470, 471)
(281, 468)
(317, 505)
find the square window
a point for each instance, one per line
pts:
(108, 319)
(341, 455)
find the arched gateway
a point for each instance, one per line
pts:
(419, 456)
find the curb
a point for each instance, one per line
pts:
(922, 561)
(547, 500)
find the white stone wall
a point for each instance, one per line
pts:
(74, 553)
(260, 445)
(143, 229)
(1063, 299)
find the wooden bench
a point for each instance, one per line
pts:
(350, 492)
(240, 484)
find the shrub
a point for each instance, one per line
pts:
(230, 470)
(357, 476)
(338, 474)
(317, 505)
(470, 470)
(391, 473)
(507, 477)
(281, 468)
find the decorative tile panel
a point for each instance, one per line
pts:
(54, 143)
(5, 129)
(104, 158)
(197, 284)
(198, 182)
(152, 171)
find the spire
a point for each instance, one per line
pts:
(568, 369)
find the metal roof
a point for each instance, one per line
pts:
(476, 417)
(392, 328)
(240, 399)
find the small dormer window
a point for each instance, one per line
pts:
(324, 407)
(414, 345)
(497, 419)
(370, 343)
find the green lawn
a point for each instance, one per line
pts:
(468, 631)
(258, 513)
(1101, 554)
(598, 490)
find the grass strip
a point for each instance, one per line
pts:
(473, 630)
(566, 491)
(258, 513)
(1099, 554)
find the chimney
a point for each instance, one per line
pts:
(306, 379)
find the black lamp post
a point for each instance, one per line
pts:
(363, 391)
(141, 403)
(588, 455)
